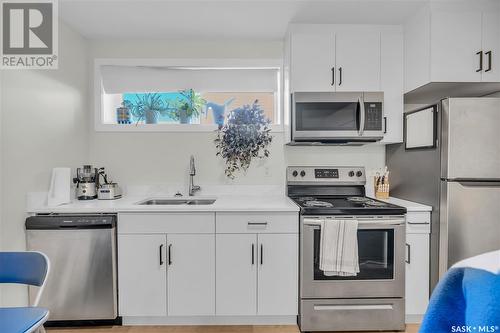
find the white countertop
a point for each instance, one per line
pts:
(409, 205)
(279, 203)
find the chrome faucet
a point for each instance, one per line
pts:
(192, 172)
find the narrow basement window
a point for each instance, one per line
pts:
(175, 98)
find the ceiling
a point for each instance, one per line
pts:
(229, 19)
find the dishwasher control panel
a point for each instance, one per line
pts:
(71, 221)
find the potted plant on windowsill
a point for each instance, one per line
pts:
(187, 107)
(148, 107)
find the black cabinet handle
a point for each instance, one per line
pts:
(340, 76)
(480, 54)
(161, 255)
(385, 125)
(253, 254)
(169, 254)
(333, 76)
(261, 254)
(257, 224)
(409, 253)
(489, 61)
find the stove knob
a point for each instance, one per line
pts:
(359, 174)
(351, 173)
(295, 173)
(302, 173)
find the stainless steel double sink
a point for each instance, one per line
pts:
(164, 201)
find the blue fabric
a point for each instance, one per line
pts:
(465, 300)
(22, 267)
(18, 320)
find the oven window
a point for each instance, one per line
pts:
(376, 256)
(326, 116)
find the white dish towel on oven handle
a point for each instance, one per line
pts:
(338, 252)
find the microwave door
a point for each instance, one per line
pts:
(326, 120)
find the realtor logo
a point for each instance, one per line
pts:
(29, 34)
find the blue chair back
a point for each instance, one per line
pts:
(30, 268)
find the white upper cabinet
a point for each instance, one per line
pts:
(491, 46)
(357, 60)
(391, 82)
(456, 46)
(335, 58)
(313, 61)
(447, 43)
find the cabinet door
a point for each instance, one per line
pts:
(455, 40)
(392, 84)
(491, 46)
(236, 278)
(417, 273)
(312, 62)
(142, 275)
(191, 274)
(357, 60)
(277, 274)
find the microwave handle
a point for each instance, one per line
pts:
(363, 115)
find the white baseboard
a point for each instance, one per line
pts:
(414, 318)
(212, 320)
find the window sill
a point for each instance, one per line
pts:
(166, 128)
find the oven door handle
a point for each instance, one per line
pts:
(362, 223)
(341, 307)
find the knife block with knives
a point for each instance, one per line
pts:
(381, 184)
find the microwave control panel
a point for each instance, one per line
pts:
(373, 116)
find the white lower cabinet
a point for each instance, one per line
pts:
(142, 275)
(191, 274)
(236, 282)
(417, 264)
(417, 275)
(277, 274)
(178, 266)
(257, 274)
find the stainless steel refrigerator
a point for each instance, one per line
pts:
(459, 177)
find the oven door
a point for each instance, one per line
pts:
(381, 250)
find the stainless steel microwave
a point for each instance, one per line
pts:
(337, 117)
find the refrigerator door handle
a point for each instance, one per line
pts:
(476, 182)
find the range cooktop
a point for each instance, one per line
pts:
(326, 190)
(337, 205)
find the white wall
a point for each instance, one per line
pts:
(44, 125)
(149, 158)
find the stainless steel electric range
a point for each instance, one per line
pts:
(374, 298)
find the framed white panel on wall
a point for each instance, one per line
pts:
(221, 84)
(420, 128)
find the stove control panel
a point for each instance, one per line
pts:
(326, 173)
(302, 174)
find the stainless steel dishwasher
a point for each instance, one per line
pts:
(81, 288)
